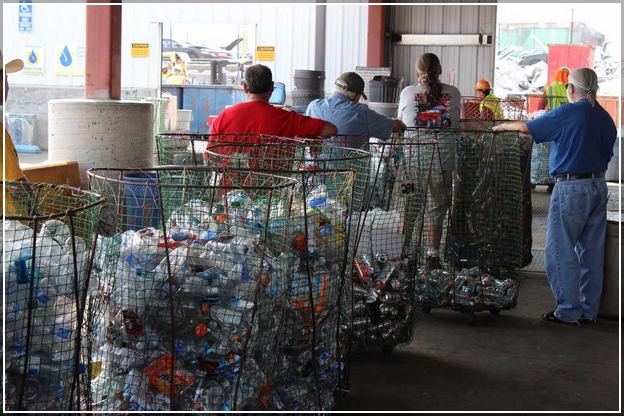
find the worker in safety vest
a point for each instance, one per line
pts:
(555, 93)
(489, 107)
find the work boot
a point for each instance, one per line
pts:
(433, 263)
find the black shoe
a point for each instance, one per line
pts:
(550, 317)
(585, 321)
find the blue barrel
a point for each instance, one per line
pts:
(142, 200)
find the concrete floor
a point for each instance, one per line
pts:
(514, 361)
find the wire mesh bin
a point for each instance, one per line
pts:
(47, 243)
(317, 314)
(186, 315)
(475, 108)
(474, 217)
(181, 149)
(526, 149)
(389, 242)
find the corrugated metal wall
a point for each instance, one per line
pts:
(345, 40)
(466, 64)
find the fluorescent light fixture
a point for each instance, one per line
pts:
(444, 40)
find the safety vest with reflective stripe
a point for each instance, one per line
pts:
(493, 104)
(555, 95)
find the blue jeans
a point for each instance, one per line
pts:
(575, 243)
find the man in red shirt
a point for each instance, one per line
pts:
(257, 116)
(258, 122)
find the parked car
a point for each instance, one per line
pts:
(201, 51)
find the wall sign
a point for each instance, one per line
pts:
(25, 16)
(69, 59)
(265, 53)
(139, 50)
(33, 59)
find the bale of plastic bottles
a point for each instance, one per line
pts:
(390, 237)
(48, 237)
(191, 282)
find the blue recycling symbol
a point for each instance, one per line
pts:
(32, 58)
(66, 58)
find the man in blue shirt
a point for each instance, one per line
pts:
(355, 120)
(582, 135)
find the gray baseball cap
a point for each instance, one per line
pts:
(351, 82)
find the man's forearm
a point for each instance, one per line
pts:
(520, 126)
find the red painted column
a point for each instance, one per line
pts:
(376, 36)
(103, 52)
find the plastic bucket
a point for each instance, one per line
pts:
(309, 80)
(142, 200)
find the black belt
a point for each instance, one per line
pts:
(574, 176)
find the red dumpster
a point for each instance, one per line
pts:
(572, 56)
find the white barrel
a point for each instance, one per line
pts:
(101, 133)
(385, 109)
(610, 301)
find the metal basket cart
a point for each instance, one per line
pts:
(188, 285)
(312, 353)
(526, 168)
(389, 242)
(474, 221)
(48, 241)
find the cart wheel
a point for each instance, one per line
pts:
(550, 188)
(471, 319)
(426, 309)
(387, 349)
(495, 312)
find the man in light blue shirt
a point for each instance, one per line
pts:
(582, 135)
(356, 122)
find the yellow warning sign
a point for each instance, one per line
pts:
(265, 53)
(140, 50)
